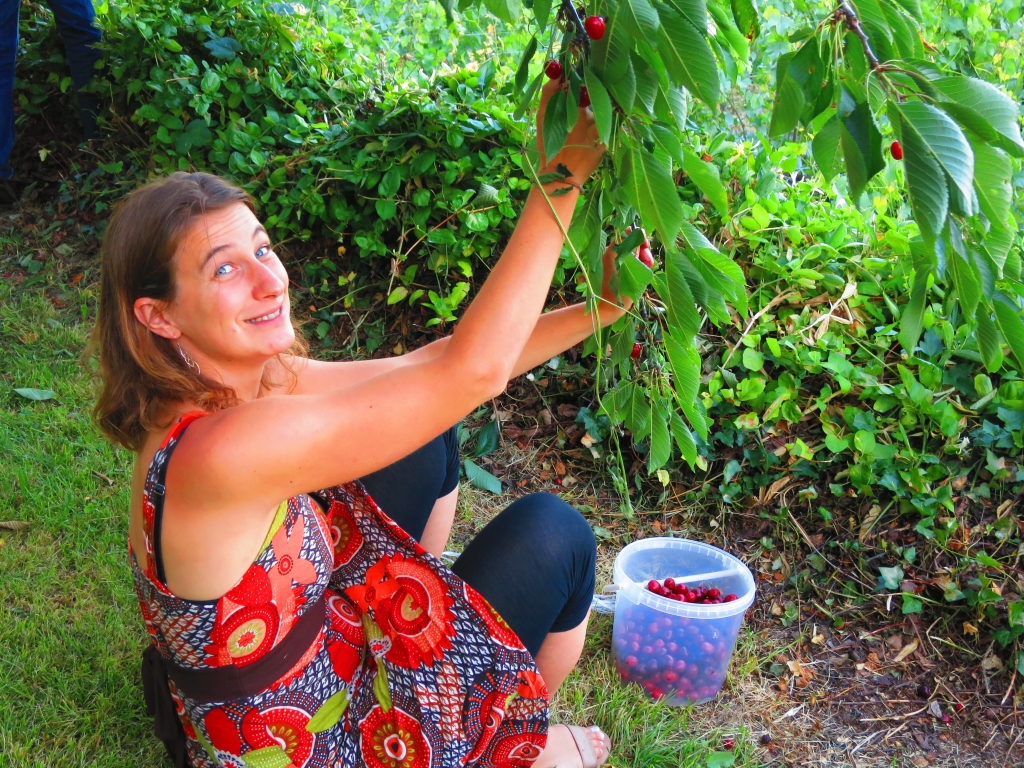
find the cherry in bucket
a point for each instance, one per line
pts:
(682, 593)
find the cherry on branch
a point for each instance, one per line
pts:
(897, 151)
(594, 26)
(553, 70)
(584, 97)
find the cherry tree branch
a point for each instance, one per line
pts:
(846, 13)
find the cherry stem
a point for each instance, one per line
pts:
(845, 12)
(575, 17)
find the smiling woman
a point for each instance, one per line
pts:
(144, 361)
(294, 621)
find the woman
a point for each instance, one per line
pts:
(316, 631)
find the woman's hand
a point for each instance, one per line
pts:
(582, 151)
(609, 272)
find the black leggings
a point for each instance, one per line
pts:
(534, 562)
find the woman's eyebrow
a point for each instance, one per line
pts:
(213, 251)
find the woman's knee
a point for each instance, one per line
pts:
(553, 524)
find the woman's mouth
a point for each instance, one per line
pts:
(266, 318)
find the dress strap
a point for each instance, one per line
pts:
(156, 489)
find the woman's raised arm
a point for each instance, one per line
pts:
(271, 448)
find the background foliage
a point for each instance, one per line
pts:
(810, 328)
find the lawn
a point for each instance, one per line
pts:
(70, 632)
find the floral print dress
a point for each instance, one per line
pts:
(412, 667)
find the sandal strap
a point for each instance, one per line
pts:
(585, 746)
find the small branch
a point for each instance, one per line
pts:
(845, 11)
(581, 31)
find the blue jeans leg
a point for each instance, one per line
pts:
(76, 24)
(9, 11)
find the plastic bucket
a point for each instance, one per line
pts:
(677, 652)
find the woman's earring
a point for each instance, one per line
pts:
(192, 364)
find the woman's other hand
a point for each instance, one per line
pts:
(582, 151)
(611, 271)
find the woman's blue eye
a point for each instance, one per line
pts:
(263, 251)
(221, 269)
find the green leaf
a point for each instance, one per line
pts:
(210, 82)
(827, 150)
(555, 127)
(330, 712)
(390, 183)
(943, 139)
(527, 100)
(267, 757)
(984, 109)
(688, 57)
(729, 30)
(993, 175)
(967, 287)
(586, 221)
(864, 441)
(223, 47)
(789, 99)
(650, 189)
(926, 183)
(399, 293)
(646, 81)
(861, 140)
(640, 18)
(506, 10)
(487, 439)
(684, 439)
(541, 12)
(695, 11)
(634, 278)
(911, 604)
(905, 33)
(685, 363)
(1008, 317)
(912, 7)
(622, 341)
(661, 442)
(990, 342)
(682, 311)
(601, 104)
(523, 70)
(705, 176)
(721, 759)
(35, 394)
(890, 578)
(668, 140)
(747, 19)
(609, 56)
(752, 359)
(481, 478)
(912, 319)
(638, 414)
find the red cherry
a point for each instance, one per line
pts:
(553, 70)
(946, 719)
(638, 349)
(558, 481)
(644, 254)
(584, 97)
(631, 661)
(594, 26)
(897, 151)
(729, 598)
(728, 744)
(652, 585)
(670, 583)
(714, 592)
(958, 707)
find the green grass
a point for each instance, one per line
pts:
(70, 630)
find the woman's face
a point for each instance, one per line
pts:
(231, 304)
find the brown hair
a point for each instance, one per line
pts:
(140, 371)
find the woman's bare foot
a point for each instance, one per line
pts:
(562, 749)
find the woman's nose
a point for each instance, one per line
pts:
(267, 281)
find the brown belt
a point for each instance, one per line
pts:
(212, 684)
(206, 686)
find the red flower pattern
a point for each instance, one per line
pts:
(393, 739)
